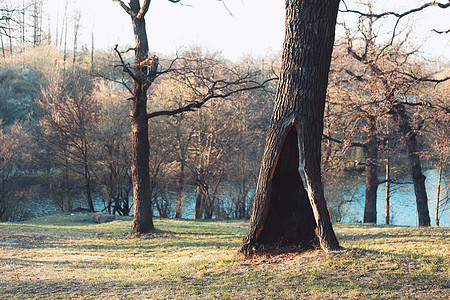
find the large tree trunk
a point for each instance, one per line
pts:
(408, 134)
(140, 171)
(370, 208)
(142, 194)
(289, 206)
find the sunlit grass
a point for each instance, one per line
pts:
(69, 256)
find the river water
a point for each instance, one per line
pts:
(402, 202)
(403, 209)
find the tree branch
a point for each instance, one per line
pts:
(399, 16)
(395, 14)
(144, 9)
(125, 66)
(129, 49)
(425, 104)
(198, 104)
(350, 144)
(122, 82)
(425, 79)
(124, 6)
(441, 32)
(394, 181)
(226, 7)
(356, 77)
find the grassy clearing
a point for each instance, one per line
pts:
(67, 257)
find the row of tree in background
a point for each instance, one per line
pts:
(77, 125)
(65, 131)
(27, 23)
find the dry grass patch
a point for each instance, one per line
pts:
(68, 256)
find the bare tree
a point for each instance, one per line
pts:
(143, 72)
(112, 150)
(15, 152)
(68, 113)
(8, 20)
(387, 67)
(437, 133)
(169, 92)
(76, 28)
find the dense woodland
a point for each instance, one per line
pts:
(65, 123)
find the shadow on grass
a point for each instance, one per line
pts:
(360, 253)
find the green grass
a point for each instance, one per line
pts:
(69, 257)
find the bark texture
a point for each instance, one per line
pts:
(140, 171)
(289, 206)
(370, 207)
(438, 193)
(402, 119)
(180, 189)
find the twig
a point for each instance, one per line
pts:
(125, 66)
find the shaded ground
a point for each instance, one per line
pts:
(64, 257)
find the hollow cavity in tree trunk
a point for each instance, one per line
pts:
(290, 220)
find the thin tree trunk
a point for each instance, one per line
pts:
(65, 41)
(289, 206)
(112, 201)
(49, 31)
(10, 40)
(3, 46)
(66, 180)
(76, 27)
(403, 122)
(92, 52)
(198, 200)
(56, 30)
(87, 176)
(211, 204)
(23, 24)
(370, 207)
(180, 188)
(438, 194)
(388, 177)
(200, 197)
(207, 203)
(388, 193)
(36, 24)
(87, 179)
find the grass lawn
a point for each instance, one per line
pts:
(70, 257)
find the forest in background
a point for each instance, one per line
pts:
(65, 122)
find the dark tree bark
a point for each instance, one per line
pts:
(403, 122)
(143, 72)
(289, 206)
(180, 189)
(140, 171)
(438, 193)
(87, 180)
(370, 207)
(199, 199)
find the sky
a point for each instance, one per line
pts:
(243, 27)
